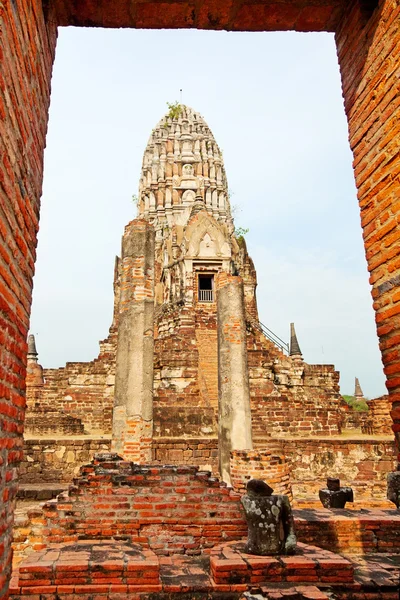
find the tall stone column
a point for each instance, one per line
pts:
(234, 415)
(133, 401)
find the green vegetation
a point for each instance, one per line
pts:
(358, 405)
(175, 110)
(240, 232)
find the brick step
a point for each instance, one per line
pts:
(231, 564)
(91, 570)
(362, 532)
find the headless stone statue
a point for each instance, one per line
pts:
(269, 520)
(334, 496)
(393, 489)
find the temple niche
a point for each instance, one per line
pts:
(187, 374)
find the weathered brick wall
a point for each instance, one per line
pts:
(84, 391)
(57, 460)
(362, 464)
(26, 53)
(378, 420)
(170, 509)
(200, 452)
(301, 15)
(350, 532)
(180, 406)
(269, 464)
(353, 420)
(290, 396)
(52, 422)
(368, 52)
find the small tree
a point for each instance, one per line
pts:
(175, 110)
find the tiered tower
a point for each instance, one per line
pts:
(195, 376)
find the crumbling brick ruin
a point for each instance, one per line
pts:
(367, 38)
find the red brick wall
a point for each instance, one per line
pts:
(269, 464)
(368, 52)
(26, 56)
(170, 509)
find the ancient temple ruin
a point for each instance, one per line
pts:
(188, 385)
(186, 347)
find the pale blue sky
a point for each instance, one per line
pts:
(273, 102)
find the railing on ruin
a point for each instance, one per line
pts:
(206, 295)
(270, 335)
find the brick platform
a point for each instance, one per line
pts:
(104, 570)
(230, 564)
(350, 531)
(87, 568)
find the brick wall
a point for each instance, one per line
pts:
(170, 509)
(362, 464)
(269, 464)
(368, 52)
(26, 53)
(181, 407)
(378, 420)
(57, 460)
(289, 396)
(52, 422)
(84, 391)
(201, 452)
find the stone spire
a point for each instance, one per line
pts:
(34, 371)
(32, 353)
(182, 161)
(358, 393)
(294, 344)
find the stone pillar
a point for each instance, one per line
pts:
(133, 401)
(234, 415)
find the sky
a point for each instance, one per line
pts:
(273, 102)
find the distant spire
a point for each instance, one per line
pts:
(358, 393)
(294, 344)
(32, 354)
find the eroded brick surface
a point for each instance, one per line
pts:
(26, 53)
(169, 509)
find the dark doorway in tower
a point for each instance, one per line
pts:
(206, 288)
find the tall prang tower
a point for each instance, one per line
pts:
(184, 201)
(192, 361)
